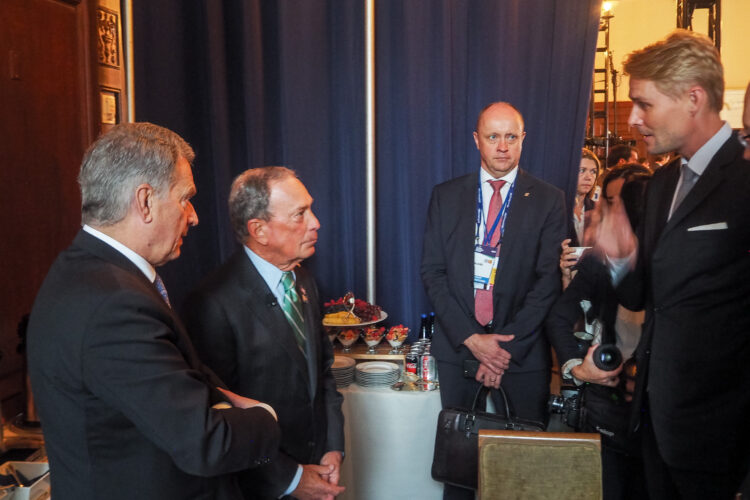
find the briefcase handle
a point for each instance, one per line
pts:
(481, 395)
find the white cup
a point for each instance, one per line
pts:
(578, 251)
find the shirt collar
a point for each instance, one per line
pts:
(270, 273)
(141, 263)
(510, 177)
(703, 156)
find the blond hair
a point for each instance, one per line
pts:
(682, 59)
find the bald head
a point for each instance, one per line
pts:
(495, 106)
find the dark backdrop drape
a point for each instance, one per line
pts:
(253, 82)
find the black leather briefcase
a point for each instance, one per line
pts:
(456, 451)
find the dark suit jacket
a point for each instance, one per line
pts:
(694, 355)
(124, 402)
(528, 276)
(588, 204)
(592, 282)
(243, 335)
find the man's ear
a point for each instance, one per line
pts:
(144, 197)
(257, 229)
(697, 99)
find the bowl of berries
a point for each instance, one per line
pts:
(396, 336)
(373, 335)
(347, 337)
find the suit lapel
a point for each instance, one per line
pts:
(707, 182)
(311, 335)
(254, 292)
(664, 199)
(517, 213)
(465, 233)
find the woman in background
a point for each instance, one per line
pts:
(588, 171)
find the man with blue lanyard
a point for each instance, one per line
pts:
(489, 266)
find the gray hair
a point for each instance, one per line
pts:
(117, 162)
(248, 198)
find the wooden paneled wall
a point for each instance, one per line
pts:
(48, 119)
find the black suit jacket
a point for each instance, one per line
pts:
(588, 204)
(241, 332)
(694, 281)
(124, 402)
(528, 276)
(592, 282)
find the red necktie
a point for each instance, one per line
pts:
(483, 298)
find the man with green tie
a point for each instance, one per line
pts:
(256, 322)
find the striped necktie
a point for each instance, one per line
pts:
(292, 310)
(159, 284)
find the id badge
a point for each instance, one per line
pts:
(485, 266)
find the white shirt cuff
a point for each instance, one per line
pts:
(569, 365)
(224, 405)
(269, 409)
(619, 267)
(295, 481)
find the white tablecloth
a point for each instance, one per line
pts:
(390, 438)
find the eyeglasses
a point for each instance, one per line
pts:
(744, 139)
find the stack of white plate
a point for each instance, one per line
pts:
(377, 373)
(343, 370)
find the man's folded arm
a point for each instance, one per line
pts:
(133, 366)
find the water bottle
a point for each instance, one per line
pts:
(424, 328)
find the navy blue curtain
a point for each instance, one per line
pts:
(253, 82)
(439, 64)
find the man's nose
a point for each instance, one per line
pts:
(192, 215)
(314, 223)
(634, 118)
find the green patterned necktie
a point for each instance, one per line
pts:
(291, 308)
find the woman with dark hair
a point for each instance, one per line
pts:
(616, 176)
(591, 298)
(588, 172)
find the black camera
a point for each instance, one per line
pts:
(569, 404)
(607, 357)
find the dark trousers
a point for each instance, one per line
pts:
(622, 474)
(527, 394)
(667, 482)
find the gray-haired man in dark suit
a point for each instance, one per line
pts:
(257, 322)
(127, 409)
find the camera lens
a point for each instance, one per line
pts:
(556, 404)
(607, 357)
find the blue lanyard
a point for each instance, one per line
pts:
(500, 215)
